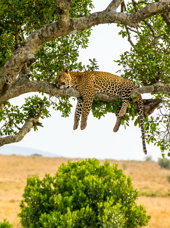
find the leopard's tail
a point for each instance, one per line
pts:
(141, 115)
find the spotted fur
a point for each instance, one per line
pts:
(90, 82)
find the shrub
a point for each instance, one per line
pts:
(168, 178)
(124, 166)
(164, 163)
(82, 194)
(5, 224)
(148, 158)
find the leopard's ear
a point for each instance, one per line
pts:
(65, 70)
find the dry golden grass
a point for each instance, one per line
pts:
(146, 176)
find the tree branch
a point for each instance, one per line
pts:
(40, 86)
(22, 132)
(165, 16)
(63, 7)
(129, 37)
(157, 87)
(114, 5)
(49, 88)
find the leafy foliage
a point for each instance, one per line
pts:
(54, 56)
(148, 158)
(21, 17)
(168, 178)
(157, 127)
(164, 163)
(100, 109)
(82, 194)
(12, 117)
(148, 62)
(5, 224)
(18, 19)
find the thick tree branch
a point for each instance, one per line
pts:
(20, 88)
(167, 20)
(165, 16)
(157, 87)
(40, 86)
(63, 7)
(114, 5)
(150, 105)
(110, 16)
(22, 132)
(49, 88)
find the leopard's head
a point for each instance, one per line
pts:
(63, 80)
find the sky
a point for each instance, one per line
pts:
(98, 139)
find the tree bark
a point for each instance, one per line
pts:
(49, 88)
(157, 87)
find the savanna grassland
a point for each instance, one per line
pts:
(150, 180)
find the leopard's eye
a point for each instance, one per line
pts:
(62, 83)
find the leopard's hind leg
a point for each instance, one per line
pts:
(78, 112)
(123, 109)
(122, 112)
(118, 123)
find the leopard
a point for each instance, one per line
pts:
(89, 83)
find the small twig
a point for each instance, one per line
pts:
(16, 39)
(123, 7)
(142, 2)
(129, 38)
(134, 5)
(132, 29)
(150, 27)
(167, 20)
(48, 80)
(38, 124)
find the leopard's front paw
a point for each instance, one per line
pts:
(83, 126)
(75, 126)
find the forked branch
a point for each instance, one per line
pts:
(22, 132)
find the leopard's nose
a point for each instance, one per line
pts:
(63, 83)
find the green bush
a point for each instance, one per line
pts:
(148, 158)
(168, 178)
(5, 224)
(164, 163)
(82, 194)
